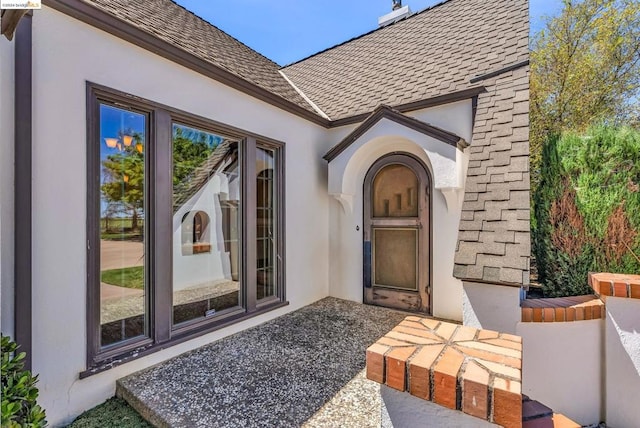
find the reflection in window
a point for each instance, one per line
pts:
(394, 192)
(195, 233)
(206, 197)
(122, 225)
(265, 219)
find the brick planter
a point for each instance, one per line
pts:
(563, 309)
(615, 284)
(458, 367)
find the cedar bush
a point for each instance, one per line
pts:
(19, 394)
(587, 208)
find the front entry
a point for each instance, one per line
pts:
(397, 234)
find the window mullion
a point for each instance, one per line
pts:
(249, 223)
(162, 232)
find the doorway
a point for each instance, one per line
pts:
(397, 234)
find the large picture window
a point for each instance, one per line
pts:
(184, 226)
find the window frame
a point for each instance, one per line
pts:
(161, 332)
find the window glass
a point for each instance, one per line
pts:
(395, 258)
(266, 222)
(206, 199)
(123, 284)
(395, 192)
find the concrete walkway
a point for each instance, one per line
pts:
(120, 254)
(301, 369)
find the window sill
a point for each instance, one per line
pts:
(143, 351)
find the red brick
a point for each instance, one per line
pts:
(537, 314)
(445, 375)
(409, 338)
(464, 333)
(620, 289)
(560, 314)
(446, 330)
(505, 344)
(548, 314)
(396, 363)
(570, 314)
(422, 332)
(527, 315)
(606, 288)
(488, 334)
(511, 337)
(375, 362)
(561, 421)
(490, 356)
(475, 391)
(389, 341)
(507, 403)
(420, 370)
(579, 313)
(587, 312)
(635, 290)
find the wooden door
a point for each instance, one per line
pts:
(397, 234)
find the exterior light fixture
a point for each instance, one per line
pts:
(126, 178)
(111, 142)
(139, 147)
(127, 139)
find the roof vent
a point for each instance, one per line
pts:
(398, 12)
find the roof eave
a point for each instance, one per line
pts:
(105, 21)
(386, 112)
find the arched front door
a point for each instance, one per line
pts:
(397, 234)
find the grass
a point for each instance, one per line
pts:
(113, 413)
(129, 277)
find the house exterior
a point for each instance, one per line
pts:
(167, 186)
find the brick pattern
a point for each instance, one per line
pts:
(494, 243)
(174, 24)
(566, 309)
(615, 284)
(458, 367)
(432, 53)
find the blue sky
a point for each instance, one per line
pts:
(289, 30)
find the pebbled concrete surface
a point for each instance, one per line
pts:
(301, 369)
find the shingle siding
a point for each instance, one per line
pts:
(497, 197)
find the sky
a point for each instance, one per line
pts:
(286, 31)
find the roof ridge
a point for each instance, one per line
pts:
(406, 18)
(278, 66)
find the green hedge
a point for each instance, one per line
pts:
(587, 208)
(19, 394)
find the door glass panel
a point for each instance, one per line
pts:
(206, 199)
(266, 223)
(395, 192)
(395, 258)
(123, 283)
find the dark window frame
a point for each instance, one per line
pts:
(158, 215)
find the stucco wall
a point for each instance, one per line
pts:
(6, 183)
(446, 166)
(491, 307)
(562, 367)
(195, 269)
(68, 53)
(622, 362)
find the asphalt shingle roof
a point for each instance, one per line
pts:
(176, 25)
(431, 53)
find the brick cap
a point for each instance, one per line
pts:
(563, 309)
(615, 284)
(459, 367)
